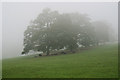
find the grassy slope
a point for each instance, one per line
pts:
(101, 62)
(0, 69)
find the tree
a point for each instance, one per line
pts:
(66, 35)
(54, 31)
(102, 32)
(37, 36)
(85, 30)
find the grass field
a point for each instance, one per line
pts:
(100, 62)
(0, 69)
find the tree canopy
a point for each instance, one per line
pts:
(54, 31)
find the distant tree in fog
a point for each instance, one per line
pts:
(53, 31)
(102, 32)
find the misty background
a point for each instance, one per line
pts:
(1, 31)
(17, 16)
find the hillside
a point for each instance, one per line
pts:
(100, 62)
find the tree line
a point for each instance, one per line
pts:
(54, 31)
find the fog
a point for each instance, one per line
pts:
(0, 31)
(16, 17)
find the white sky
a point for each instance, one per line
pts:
(16, 17)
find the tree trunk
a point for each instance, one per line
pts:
(48, 51)
(71, 48)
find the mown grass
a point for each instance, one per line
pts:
(100, 62)
(0, 69)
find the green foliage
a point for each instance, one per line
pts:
(54, 31)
